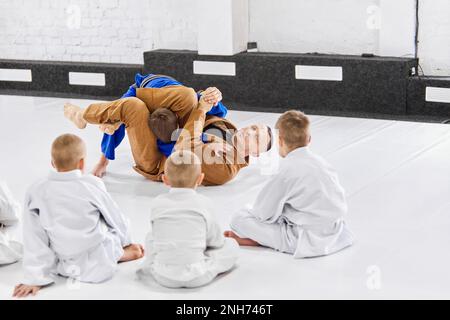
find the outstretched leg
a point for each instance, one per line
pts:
(241, 241)
(248, 231)
(75, 114)
(133, 113)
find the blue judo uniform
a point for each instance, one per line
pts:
(111, 142)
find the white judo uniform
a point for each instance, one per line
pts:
(10, 250)
(186, 247)
(300, 211)
(72, 227)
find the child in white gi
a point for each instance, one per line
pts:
(301, 210)
(185, 247)
(10, 250)
(71, 225)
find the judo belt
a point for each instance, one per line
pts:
(153, 77)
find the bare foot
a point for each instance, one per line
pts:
(132, 252)
(241, 241)
(100, 168)
(75, 114)
(110, 128)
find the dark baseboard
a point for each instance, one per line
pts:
(376, 87)
(267, 80)
(53, 77)
(68, 95)
(417, 104)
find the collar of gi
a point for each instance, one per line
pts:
(299, 151)
(65, 176)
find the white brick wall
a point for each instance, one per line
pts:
(121, 30)
(349, 27)
(94, 30)
(434, 37)
(325, 26)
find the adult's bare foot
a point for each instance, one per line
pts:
(132, 252)
(75, 114)
(241, 241)
(100, 169)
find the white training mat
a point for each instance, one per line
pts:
(397, 179)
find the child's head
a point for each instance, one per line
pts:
(183, 170)
(293, 129)
(163, 123)
(68, 153)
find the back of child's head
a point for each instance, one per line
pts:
(293, 127)
(182, 169)
(163, 123)
(67, 151)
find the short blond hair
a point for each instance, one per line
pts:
(182, 169)
(293, 127)
(67, 151)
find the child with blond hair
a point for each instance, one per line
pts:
(301, 210)
(71, 225)
(186, 247)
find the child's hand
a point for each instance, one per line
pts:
(22, 290)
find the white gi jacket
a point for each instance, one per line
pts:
(306, 199)
(10, 250)
(186, 247)
(72, 227)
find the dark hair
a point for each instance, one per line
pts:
(163, 123)
(270, 143)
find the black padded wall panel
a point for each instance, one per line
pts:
(267, 80)
(50, 77)
(417, 104)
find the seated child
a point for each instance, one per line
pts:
(71, 225)
(10, 250)
(301, 210)
(186, 247)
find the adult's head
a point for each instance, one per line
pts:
(294, 131)
(254, 140)
(163, 123)
(68, 153)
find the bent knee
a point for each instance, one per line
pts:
(190, 96)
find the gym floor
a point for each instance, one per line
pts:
(395, 174)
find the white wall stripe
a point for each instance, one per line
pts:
(19, 75)
(303, 72)
(436, 94)
(87, 79)
(215, 68)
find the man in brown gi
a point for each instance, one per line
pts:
(221, 158)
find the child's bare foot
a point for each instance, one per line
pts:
(110, 128)
(132, 252)
(241, 241)
(75, 114)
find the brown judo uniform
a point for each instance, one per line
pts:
(134, 113)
